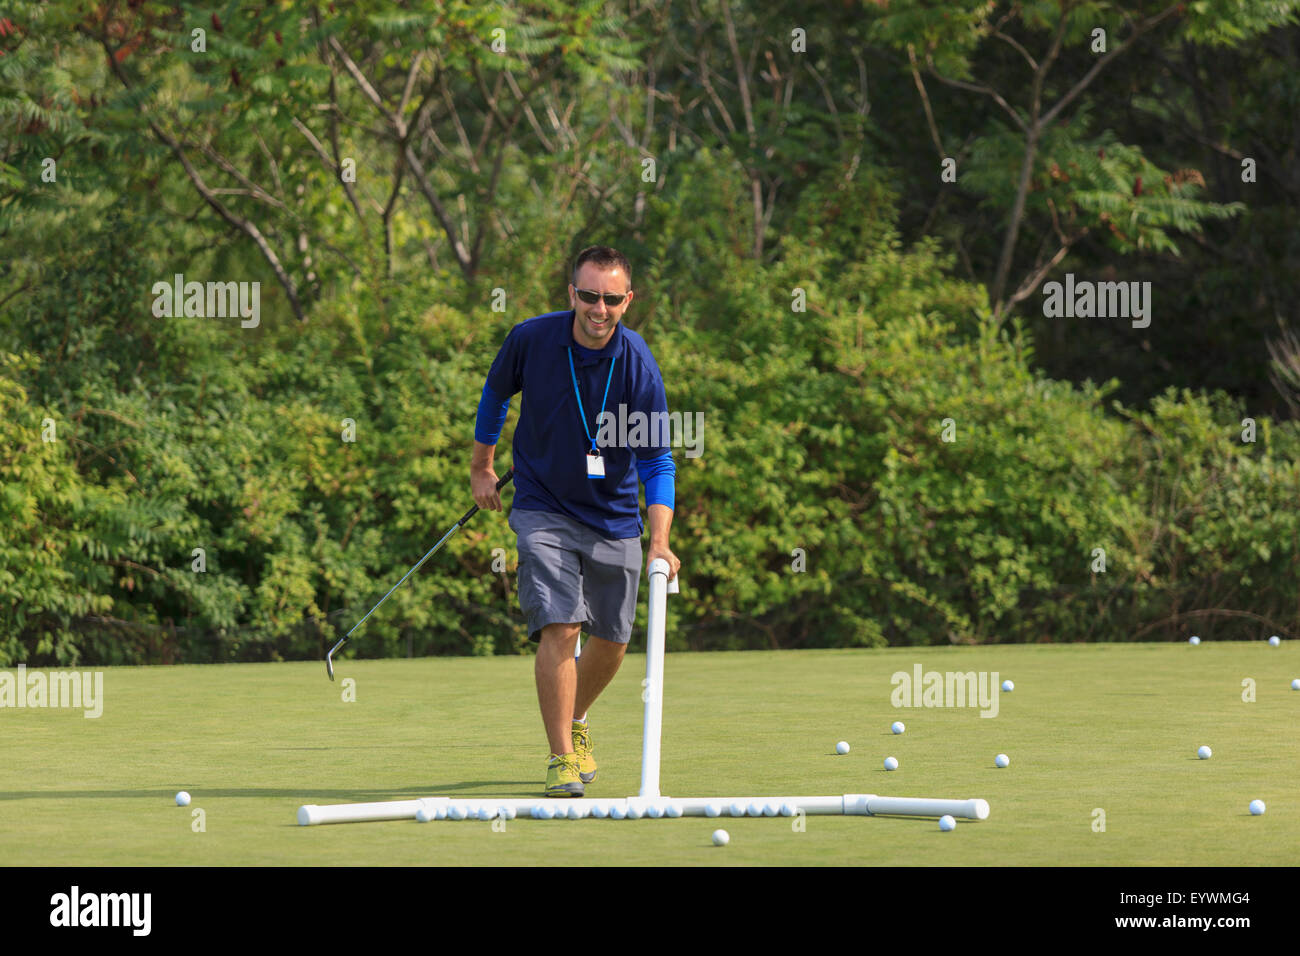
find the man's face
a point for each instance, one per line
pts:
(594, 324)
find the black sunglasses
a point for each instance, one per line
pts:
(612, 299)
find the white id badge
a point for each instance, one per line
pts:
(595, 466)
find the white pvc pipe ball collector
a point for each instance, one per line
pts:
(649, 803)
(850, 804)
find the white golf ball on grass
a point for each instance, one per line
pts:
(842, 747)
(1204, 752)
(1008, 686)
(947, 823)
(423, 816)
(1002, 760)
(1295, 684)
(182, 799)
(1257, 808)
(1274, 641)
(898, 727)
(891, 763)
(721, 837)
(1193, 640)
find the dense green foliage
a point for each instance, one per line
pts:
(898, 447)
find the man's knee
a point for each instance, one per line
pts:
(560, 633)
(606, 645)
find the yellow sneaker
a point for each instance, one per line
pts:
(582, 747)
(562, 778)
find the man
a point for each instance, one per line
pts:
(575, 511)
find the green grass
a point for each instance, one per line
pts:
(1114, 727)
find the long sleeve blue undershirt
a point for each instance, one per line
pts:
(659, 475)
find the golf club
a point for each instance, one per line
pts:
(329, 658)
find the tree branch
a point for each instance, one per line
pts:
(244, 225)
(459, 249)
(1105, 58)
(925, 102)
(976, 88)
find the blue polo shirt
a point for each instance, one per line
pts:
(550, 444)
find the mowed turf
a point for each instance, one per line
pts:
(1110, 728)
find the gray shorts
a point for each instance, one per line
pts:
(569, 573)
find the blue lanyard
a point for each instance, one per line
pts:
(581, 413)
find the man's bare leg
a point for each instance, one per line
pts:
(597, 666)
(557, 683)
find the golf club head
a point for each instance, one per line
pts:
(329, 658)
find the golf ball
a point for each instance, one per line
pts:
(947, 823)
(634, 812)
(891, 763)
(721, 837)
(182, 799)
(423, 815)
(842, 747)
(506, 813)
(599, 811)
(788, 809)
(712, 810)
(1204, 752)
(755, 808)
(1008, 686)
(673, 811)
(1274, 641)
(1257, 807)
(1295, 684)
(654, 811)
(898, 727)
(485, 813)
(616, 812)
(1193, 640)
(736, 809)
(1002, 760)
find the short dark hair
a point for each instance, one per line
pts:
(603, 256)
